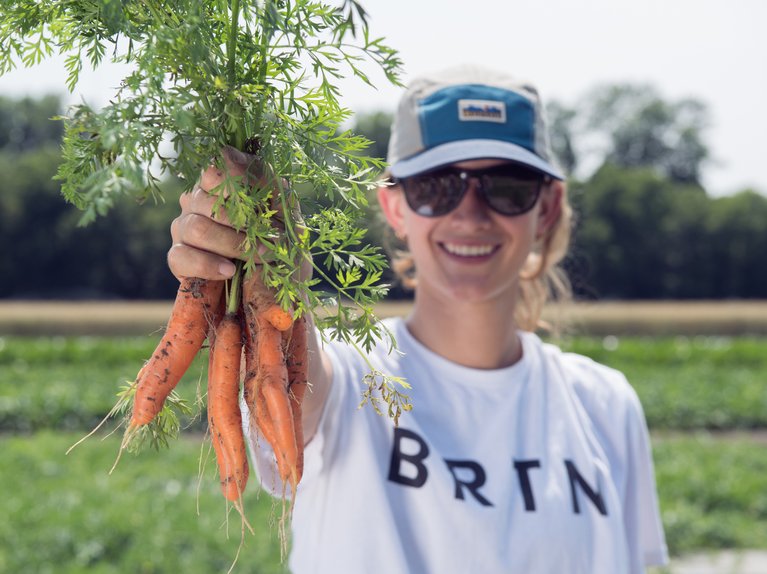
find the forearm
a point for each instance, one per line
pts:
(320, 380)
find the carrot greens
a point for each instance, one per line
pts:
(257, 76)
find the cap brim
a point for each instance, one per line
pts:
(464, 150)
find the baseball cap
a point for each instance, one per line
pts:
(465, 113)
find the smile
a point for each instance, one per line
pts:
(468, 250)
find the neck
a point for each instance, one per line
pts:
(480, 335)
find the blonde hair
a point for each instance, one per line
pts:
(542, 279)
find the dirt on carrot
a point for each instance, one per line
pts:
(267, 384)
(224, 419)
(197, 301)
(298, 381)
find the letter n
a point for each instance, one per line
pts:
(576, 478)
(415, 460)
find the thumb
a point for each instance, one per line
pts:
(236, 161)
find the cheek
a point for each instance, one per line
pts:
(417, 231)
(522, 233)
(523, 228)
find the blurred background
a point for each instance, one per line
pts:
(657, 114)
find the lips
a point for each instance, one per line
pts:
(463, 250)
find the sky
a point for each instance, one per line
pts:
(711, 50)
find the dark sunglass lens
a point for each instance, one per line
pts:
(510, 195)
(435, 194)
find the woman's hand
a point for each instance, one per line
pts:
(203, 244)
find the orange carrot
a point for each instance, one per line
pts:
(297, 364)
(224, 419)
(279, 318)
(273, 383)
(259, 415)
(267, 396)
(264, 320)
(260, 299)
(196, 301)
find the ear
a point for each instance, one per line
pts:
(391, 200)
(550, 207)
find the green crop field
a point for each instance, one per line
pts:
(65, 514)
(690, 383)
(705, 397)
(684, 383)
(693, 318)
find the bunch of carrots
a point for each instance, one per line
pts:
(241, 321)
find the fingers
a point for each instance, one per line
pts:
(236, 164)
(202, 232)
(203, 244)
(204, 241)
(202, 203)
(185, 261)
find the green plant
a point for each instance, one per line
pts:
(161, 514)
(257, 76)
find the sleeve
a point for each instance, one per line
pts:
(317, 450)
(640, 500)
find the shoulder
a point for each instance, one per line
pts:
(609, 407)
(602, 390)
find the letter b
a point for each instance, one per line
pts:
(415, 460)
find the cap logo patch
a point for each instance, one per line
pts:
(481, 111)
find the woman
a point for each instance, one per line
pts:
(516, 457)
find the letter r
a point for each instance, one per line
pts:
(473, 485)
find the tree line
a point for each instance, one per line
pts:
(645, 226)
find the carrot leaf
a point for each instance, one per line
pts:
(261, 76)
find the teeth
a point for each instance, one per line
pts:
(469, 250)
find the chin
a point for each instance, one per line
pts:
(479, 291)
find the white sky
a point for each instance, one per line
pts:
(712, 50)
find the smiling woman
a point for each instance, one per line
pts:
(497, 135)
(479, 254)
(512, 447)
(507, 189)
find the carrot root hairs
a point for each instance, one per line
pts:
(196, 302)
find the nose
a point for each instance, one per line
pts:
(473, 207)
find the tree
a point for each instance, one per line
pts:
(638, 239)
(45, 253)
(375, 126)
(631, 126)
(737, 228)
(26, 124)
(562, 125)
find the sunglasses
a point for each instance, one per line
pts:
(507, 189)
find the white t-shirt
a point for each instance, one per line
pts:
(541, 467)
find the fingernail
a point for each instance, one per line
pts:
(226, 269)
(235, 155)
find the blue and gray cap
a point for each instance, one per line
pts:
(468, 113)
